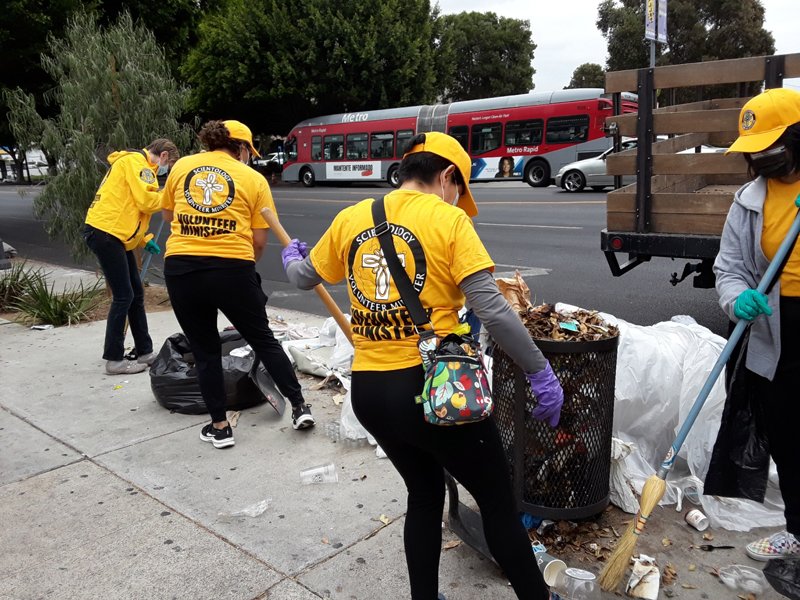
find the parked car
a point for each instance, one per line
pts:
(591, 172)
(272, 157)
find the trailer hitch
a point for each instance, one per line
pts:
(705, 276)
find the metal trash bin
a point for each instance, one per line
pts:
(560, 473)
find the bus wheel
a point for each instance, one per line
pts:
(393, 176)
(307, 177)
(573, 181)
(537, 173)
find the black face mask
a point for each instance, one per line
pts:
(773, 163)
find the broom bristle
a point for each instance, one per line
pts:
(617, 564)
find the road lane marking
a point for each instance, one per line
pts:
(523, 271)
(529, 226)
(483, 204)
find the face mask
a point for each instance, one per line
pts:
(163, 170)
(771, 164)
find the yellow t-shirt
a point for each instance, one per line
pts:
(438, 246)
(779, 212)
(217, 203)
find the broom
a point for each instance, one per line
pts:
(272, 220)
(656, 485)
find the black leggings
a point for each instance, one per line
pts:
(782, 411)
(196, 296)
(384, 403)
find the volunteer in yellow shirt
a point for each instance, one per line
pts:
(213, 201)
(757, 222)
(429, 217)
(116, 223)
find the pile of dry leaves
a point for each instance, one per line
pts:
(544, 323)
(594, 540)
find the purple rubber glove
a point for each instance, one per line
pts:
(549, 395)
(296, 250)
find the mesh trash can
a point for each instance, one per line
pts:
(560, 473)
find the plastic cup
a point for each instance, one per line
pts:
(697, 519)
(550, 566)
(321, 474)
(576, 584)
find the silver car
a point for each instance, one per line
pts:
(591, 172)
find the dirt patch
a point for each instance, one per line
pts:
(156, 299)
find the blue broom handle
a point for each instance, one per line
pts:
(772, 272)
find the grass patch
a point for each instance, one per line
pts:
(41, 304)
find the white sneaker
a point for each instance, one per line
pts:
(777, 545)
(124, 367)
(147, 359)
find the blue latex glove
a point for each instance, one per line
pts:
(750, 304)
(152, 247)
(549, 395)
(797, 201)
(296, 250)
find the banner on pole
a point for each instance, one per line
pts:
(655, 20)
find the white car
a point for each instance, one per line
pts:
(591, 172)
(272, 157)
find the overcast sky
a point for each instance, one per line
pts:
(566, 35)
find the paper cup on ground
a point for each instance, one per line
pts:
(697, 519)
(550, 566)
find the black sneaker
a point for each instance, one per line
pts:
(302, 417)
(221, 438)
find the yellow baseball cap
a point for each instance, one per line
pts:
(448, 147)
(764, 119)
(240, 131)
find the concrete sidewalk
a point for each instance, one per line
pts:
(104, 494)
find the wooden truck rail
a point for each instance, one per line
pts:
(678, 205)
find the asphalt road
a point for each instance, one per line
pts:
(551, 236)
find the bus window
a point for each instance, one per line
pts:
(316, 147)
(519, 133)
(357, 146)
(291, 149)
(403, 137)
(486, 137)
(461, 133)
(567, 130)
(382, 145)
(333, 148)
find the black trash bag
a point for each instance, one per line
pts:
(173, 377)
(739, 466)
(783, 574)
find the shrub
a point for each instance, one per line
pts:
(14, 282)
(41, 304)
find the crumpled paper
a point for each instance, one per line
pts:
(516, 292)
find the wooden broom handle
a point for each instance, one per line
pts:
(275, 225)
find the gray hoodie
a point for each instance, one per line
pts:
(740, 265)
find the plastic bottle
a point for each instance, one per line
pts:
(321, 474)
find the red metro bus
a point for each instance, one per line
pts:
(525, 137)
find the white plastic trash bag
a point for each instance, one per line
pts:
(621, 491)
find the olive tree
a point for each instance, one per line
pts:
(113, 90)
